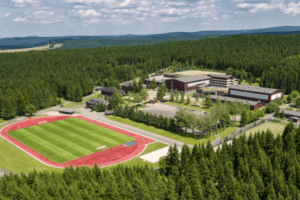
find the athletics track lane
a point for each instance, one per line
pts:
(106, 157)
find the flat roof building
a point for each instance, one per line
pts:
(95, 101)
(292, 115)
(109, 91)
(253, 104)
(187, 84)
(222, 80)
(265, 95)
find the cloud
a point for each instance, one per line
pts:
(94, 21)
(42, 14)
(23, 3)
(225, 16)
(85, 13)
(4, 15)
(292, 8)
(19, 19)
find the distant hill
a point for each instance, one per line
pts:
(71, 42)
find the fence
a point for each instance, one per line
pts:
(230, 137)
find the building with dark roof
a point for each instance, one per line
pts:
(265, 95)
(69, 112)
(187, 84)
(253, 104)
(292, 115)
(95, 101)
(127, 87)
(211, 92)
(109, 91)
(222, 80)
(158, 79)
(171, 75)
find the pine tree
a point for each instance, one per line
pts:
(289, 127)
(172, 97)
(166, 123)
(282, 115)
(188, 101)
(244, 118)
(182, 97)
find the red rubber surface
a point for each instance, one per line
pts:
(106, 157)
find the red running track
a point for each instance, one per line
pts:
(106, 157)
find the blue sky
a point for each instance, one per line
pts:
(21, 18)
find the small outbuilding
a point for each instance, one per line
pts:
(294, 119)
(110, 112)
(109, 91)
(69, 112)
(292, 115)
(152, 101)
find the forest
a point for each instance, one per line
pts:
(39, 78)
(262, 167)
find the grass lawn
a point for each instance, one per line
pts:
(68, 139)
(275, 128)
(189, 106)
(187, 138)
(138, 161)
(227, 132)
(126, 103)
(205, 140)
(15, 160)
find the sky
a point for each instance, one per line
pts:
(22, 18)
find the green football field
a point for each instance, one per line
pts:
(68, 139)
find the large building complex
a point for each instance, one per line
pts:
(187, 84)
(261, 94)
(222, 80)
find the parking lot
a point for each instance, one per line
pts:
(165, 110)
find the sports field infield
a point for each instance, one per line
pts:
(68, 139)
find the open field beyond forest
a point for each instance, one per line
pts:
(197, 72)
(275, 128)
(68, 139)
(42, 48)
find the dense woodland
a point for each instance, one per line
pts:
(38, 78)
(262, 167)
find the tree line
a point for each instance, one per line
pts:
(260, 167)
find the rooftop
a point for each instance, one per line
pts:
(230, 99)
(160, 79)
(254, 89)
(111, 90)
(187, 79)
(128, 84)
(219, 76)
(290, 112)
(96, 100)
